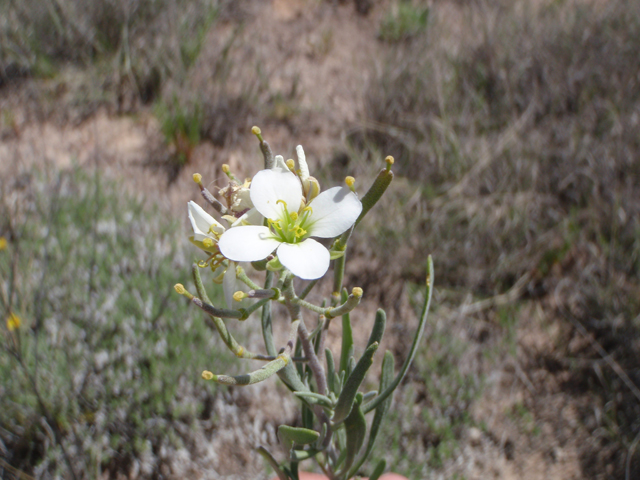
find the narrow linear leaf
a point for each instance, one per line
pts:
(331, 370)
(272, 461)
(350, 365)
(375, 192)
(369, 395)
(386, 378)
(315, 398)
(307, 416)
(300, 455)
(348, 394)
(356, 429)
(379, 470)
(414, 346)
(379, 325)
(347, 337)
(290, 436)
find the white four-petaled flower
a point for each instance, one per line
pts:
(278, 196)
(206, 232)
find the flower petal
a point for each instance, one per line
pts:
(201, 221)
(252, 217)
(333, 212)
(280, 165)
(302, 163)
(247, 243)
(308, 260)
(269, 186)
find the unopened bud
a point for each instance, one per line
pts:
(225, 168)
(197, 178)
(256, 130)
(389, 161)
(311, 188)
(207, 375)
(182, 291)
(274, 265)
(239, 296)
(356, 292)
(350, 181)
(291, 164)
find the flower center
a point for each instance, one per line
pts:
(291, 227)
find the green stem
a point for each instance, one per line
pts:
(217, 312)
(303, 334)
(308, 289)
(414, 346)
(219, 325)
(267, 370)
(338, 277)
(242, 276)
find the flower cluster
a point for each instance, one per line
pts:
(279, 213)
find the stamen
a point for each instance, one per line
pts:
(207, 242)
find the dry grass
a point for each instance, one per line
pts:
(521, 148)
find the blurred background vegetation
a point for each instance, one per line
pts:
(514, 125)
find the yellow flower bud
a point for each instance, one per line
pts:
(290, 163)
(389, 161)
(197, 178)
(311, 188)
(207, 375)
(239, 296)
(357, 292)
(225, 168)
(256, 130)
(182, 291)
(350, 181)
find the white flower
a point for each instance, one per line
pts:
(241, 210)
(206, 233)
(277, 195)
(204, 226)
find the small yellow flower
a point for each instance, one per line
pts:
(3, 243)
(13, 322)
